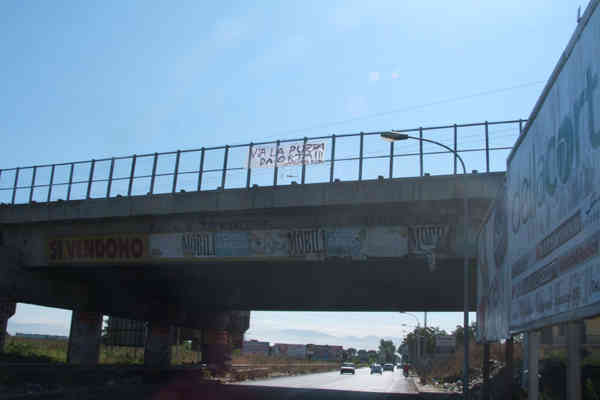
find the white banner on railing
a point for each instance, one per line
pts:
(286, 154)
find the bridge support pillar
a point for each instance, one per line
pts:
(7, 310)
(84, 338)
(157, 352)
(238, 325)
(216, 343)
(216, 349)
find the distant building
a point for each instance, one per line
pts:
(38, 336)
(255, 347)
(289, 350)
(325, 352)
(363, 356)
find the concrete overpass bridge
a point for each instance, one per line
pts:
(188, 258)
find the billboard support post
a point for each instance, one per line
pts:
(486, 371)
(533, 348)
(508, 355)
(574, 331)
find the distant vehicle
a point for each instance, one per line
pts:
(376, 369)
(347, 368)
(388, 367)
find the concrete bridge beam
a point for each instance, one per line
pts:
(84, 338)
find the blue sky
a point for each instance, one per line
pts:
(86, 80)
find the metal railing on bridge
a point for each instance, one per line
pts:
(358, 156)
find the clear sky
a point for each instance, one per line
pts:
(84, 80)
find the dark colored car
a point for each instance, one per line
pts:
(347, 368)
(376, 369)
(388, 367)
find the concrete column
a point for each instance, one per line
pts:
(574, 335)
(157, 352)
(534, 355)
(216, 349)
(84, 338)
(239, 322)
(216, 344)
(7, 310)
(486, 371)
(508, 355)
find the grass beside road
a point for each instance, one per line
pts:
(19, 349)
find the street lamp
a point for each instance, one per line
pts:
(412, 315)
(396, 136)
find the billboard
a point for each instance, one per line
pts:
(553, 193)
(492, 273)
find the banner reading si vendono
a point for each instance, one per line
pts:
(553, 189)
(288, 154)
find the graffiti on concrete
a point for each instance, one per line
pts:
(428, 238)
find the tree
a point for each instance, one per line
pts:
(387, 350)
(363, 356)
(350, 354)
(427, 337)
(459, 333)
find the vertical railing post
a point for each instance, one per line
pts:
(153, 177)
(70, 181)
(391, 159)
(331, 170)
(360, 156)
(421, 151)
(176, 171)
(110, 177)
(276, 168)
(224, 176)
(487, 148)
(455, 148)
(131, 174)
(32, 184)
(249, 169)
(201, 169)
(520, 126)
(90, 180)
(304, 160)
(16, 182)
(51, 182)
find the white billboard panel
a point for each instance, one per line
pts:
(553, 193)
(492, 274)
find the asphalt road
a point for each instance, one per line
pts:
(362, 381)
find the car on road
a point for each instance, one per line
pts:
(376, 369)
(388, 367)
(347, 368)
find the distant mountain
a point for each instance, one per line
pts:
(306, 336)
(43, 329)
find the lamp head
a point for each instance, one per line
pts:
(393, 136)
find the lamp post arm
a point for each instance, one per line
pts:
(462, 163)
